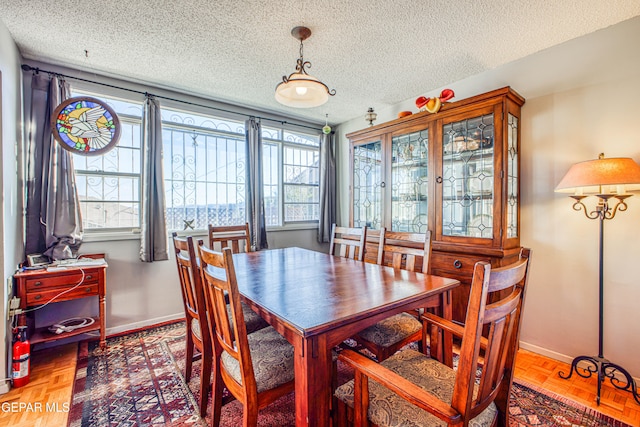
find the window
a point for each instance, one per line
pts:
(291, 171)
(109, 185)
(204, 170)
(205, 166)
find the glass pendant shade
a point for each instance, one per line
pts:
(601, 176)
(302, 91)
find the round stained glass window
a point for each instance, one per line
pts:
(85, 126)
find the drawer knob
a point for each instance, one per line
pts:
(37, 283)
(87, 290)
(89, 277)
(37, 297)
(457, 263)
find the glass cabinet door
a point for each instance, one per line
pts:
(512, 176)
(409, 182)
(467, 177)
(367, 185)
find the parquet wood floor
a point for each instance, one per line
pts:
(53, 370)
(46, 399)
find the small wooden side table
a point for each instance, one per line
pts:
(63, 283)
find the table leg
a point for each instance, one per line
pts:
(313, 382)
(102, 308)
(447, 337)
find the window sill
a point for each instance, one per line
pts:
(110, 236)
(293, 227)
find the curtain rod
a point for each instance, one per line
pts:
(27, 67)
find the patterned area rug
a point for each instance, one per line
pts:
(139, 381)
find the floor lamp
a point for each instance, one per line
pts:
(607, 180)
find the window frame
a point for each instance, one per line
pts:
(174, 103)
(281, 144)
(114, 233)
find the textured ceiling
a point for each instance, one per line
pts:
(374, 53)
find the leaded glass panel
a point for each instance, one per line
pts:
(467, 173)
(367, 185)
(409, 182)
(512, 176)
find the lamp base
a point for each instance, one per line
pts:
(604, 369)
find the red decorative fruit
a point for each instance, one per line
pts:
(421, 102)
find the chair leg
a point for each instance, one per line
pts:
(205, 380)
(334, 399)
(249, 416)
(340, 419)
(189, 356)
(216, 396)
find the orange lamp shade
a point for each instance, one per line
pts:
(600, 176)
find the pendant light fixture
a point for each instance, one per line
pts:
(301, 90)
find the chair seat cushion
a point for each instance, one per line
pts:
(391, 330)
(387, 409)
(271, 356)
(252, 320)
(195, 328)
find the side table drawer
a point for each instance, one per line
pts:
(68, 280)
(41, 297)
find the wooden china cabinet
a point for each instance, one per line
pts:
(455, 173)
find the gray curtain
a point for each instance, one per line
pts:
(255, 191)
(153, 234)
(327, 187)
(53, 218)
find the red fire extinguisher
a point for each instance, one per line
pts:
(21, 363)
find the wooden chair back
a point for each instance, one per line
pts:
(195, 310)
(406, 251)
(372, 245)
(502, 319)
(236, 237)
(348, 242)
(190, 284)
(219, 278)
(470, 395)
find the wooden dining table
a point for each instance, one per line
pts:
(316, 301)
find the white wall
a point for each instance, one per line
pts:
(11, 212)
(581, 99)
(562, 304)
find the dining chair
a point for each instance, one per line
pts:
(256, 368)
(410, 388)
(407, 251)
(348, 242)
(236, 237)
(198, 335)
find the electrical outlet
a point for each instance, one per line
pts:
(14, 304)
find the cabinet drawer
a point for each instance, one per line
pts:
(68, 280)
(41, 297)
(455, 266)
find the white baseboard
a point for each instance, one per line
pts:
(563, 358)
(545, 352)
(5, 386)
(143, 324)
